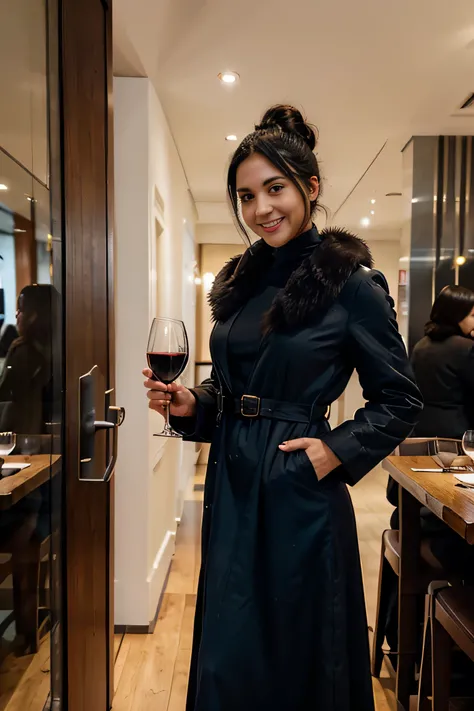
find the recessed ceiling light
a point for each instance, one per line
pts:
(373, 201)
(461, 260)
(3, 186)
(365, 222)
(228, 77)
(232, 137)
(372, 212)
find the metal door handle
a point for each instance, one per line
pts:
(89, 426)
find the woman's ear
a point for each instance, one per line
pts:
(313, 188)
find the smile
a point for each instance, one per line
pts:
(273, 224)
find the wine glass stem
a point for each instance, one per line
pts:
(167, 417)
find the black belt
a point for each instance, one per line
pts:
(251, 406)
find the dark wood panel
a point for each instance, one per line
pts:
(86, 72)
(111, 334)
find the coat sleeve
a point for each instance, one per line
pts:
(200, 428)
(376, 350)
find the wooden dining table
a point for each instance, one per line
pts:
(441, 494)
(17, 486)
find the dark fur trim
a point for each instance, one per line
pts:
(310, 290)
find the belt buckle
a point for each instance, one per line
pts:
(249, 406)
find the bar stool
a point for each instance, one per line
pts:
(449, 622)
(446, 451)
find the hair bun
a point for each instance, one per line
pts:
(288, 119)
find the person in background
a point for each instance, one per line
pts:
(26, 379)
(443, 362)
(280, 619)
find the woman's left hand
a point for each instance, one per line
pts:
(320, 455)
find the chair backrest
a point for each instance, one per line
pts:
(443, 449)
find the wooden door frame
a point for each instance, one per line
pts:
(84, 31)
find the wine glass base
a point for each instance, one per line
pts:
(168, 433)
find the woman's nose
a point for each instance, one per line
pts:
(263, 207)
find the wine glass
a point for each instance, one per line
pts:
(7, 443)
(468, 444)
(167, 356)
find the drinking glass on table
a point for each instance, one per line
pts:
(167, 356)
(468, 444)
(7, 443)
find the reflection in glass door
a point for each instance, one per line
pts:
(30, 375)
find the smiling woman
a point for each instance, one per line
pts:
(276, 177)
(280, 621)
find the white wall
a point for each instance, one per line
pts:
(150, 189)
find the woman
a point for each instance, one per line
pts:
(443, 362)
(25, 397)
(280, 620)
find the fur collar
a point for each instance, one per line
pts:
(310, 290)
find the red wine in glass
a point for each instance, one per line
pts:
(167, 366)
(167, 356)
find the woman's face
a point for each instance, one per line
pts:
(272, 206)
(467, 324)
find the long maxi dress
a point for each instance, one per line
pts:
(280, 620)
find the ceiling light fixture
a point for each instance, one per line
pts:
(372, 212)
(365, 222)
(228, 77)
(3, 186)
(231, 137)
(373, 201)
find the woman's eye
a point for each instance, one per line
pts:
(276, 188)
(246, 198)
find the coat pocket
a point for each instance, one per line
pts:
(304, 468)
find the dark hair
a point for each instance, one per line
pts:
(36, 302)
(451, 306)
(287, 141)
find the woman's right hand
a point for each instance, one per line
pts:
(179, 399)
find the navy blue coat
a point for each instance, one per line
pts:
(280, 622)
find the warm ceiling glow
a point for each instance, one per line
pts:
(3, 186)
(373, 201)
(228, 77)
(231, 137)
(460, 261)
(365, 222)
(372, 212)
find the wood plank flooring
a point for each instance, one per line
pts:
(151, 670)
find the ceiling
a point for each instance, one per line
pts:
(369, 74)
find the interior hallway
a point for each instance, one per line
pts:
(151, 670)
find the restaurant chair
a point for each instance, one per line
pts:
(446, 452)
(449, 623)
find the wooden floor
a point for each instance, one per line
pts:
(151, 670)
